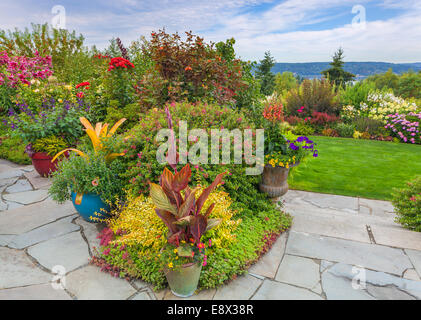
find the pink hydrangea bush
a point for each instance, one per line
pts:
(15, 70)
(405, 126)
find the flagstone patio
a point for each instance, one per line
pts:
(338, 248)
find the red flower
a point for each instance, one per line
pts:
(188, 68)
(80, 94)
(119, 62)
(83, 84)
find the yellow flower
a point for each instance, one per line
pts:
(170, 265)
(60, 100)
(175, 250)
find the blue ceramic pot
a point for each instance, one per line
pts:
(90, 204)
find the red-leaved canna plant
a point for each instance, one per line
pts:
(182, 215)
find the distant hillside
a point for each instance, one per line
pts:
(361, 69)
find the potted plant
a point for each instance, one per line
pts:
(283, 151)
(92, 184)
(93, 179)
(177, 206)
(46, 130)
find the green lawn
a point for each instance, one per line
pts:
(365, 168)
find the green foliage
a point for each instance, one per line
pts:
(407, 203)
(284, 82)
(407, 85)
(364, 124)
(52, 119)
(336, 73)
(303, 129)
(141, 148)
(356, 94)
(344, 129)
(264, 74)
(88, 175)
(6, 94)
(314, 95)
(13, 149)
(50, 145)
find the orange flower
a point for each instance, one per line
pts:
(188, 68)
(95, 182)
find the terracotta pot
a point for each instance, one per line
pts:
(42, 164)
(275, 180)
(183, 282)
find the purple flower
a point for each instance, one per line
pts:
(293, 146)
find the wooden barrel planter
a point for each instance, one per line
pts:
(275, 180)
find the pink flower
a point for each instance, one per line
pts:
(413, 199)
(106, 252)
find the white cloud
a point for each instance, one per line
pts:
(275, 26)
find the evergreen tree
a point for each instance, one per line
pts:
(264, 74)
(336, 73)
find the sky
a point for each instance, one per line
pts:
(292, 30)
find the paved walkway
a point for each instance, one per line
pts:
(338, 248)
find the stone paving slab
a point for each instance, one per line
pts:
(380, 279)
(20, 186)
(201, 295)
(46, 232)
(272, 290)
(89, 283)
(69, 251)
(5, 239)
(321, 200)
(29, 217)
(27, 197)
(241, 288)
(415, 257)
(36, 292)
(269, 263)
(388, 293)
(141, 296)
(331, 226)
(299, 271)
(397, 237)
(91, 231)
(338, 288)
(37, 181)
(371, 256)
(377, 207)
(17, 270)
(8, 174)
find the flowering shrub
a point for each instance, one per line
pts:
(407, 202)
(405, 126)
(378, 106)
(141, 147)
(274, 112)
(40, 91)
(52, 119)
(16, 70)
(322, 119)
